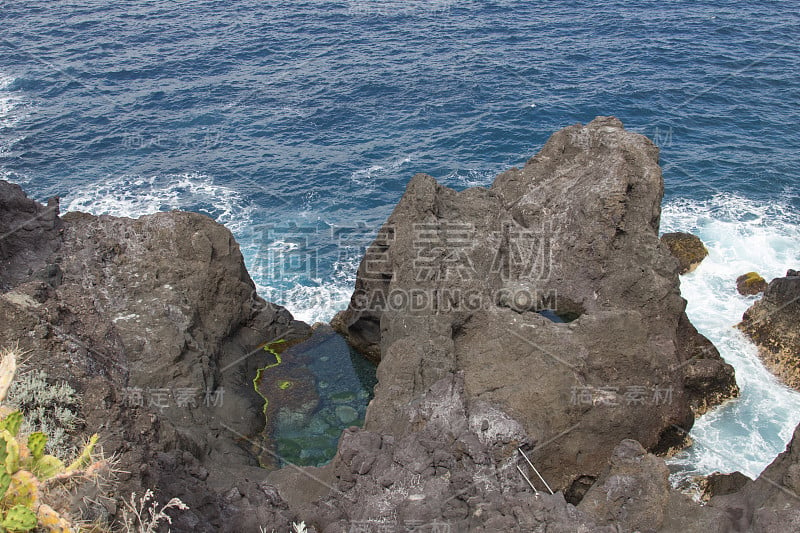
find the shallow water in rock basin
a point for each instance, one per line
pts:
(319, 388)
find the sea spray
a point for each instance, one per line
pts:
(741, 235)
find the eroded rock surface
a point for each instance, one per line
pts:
(29, 234)
(455, 471)
(773, 323)
(771, 502)
(156, 324)
(552, 293)
(633, 492)
(558, 328)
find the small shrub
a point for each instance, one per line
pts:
(29, 478)
(49, 408)
(38, 490)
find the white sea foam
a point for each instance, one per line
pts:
(133, 196)
(10, 103)
(280, 271)
(367, 178)
(741, 235)
(463, 179)
(315, 303)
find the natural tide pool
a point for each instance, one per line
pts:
(313, 391)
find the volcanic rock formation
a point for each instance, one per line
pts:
(156, 324)
(551, 292)
(541, 315)
(773, 323)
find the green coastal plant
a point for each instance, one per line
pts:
(36, 488)
(296, 528)
(27, 473)
(48, 407)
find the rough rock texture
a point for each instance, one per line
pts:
(721, 484)
(455, 471)
(156, 323)
(707, 383)
(113, 305)
(771, 502)
(553, 295)
(633, 492)
(774, 325)
(28, 235)
(688, 249)
(634, 495)
(750, 284)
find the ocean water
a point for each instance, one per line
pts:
(741, 235)
(298, 124)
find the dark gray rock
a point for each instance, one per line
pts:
(447, 474)
(29, 235)
(632, 493)
(707, 382)
(156, 323)
(721, 484)
(771, 502)
(450, 474)
(772, 323)
(551, 292)
(495, 330)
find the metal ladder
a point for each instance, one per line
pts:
(536, 492)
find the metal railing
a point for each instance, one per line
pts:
(536, 471)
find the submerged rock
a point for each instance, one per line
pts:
(461, 281)
(750, 284)
(346, 414)
(688, 249)
(773, 324)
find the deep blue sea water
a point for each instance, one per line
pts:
(298, 124)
